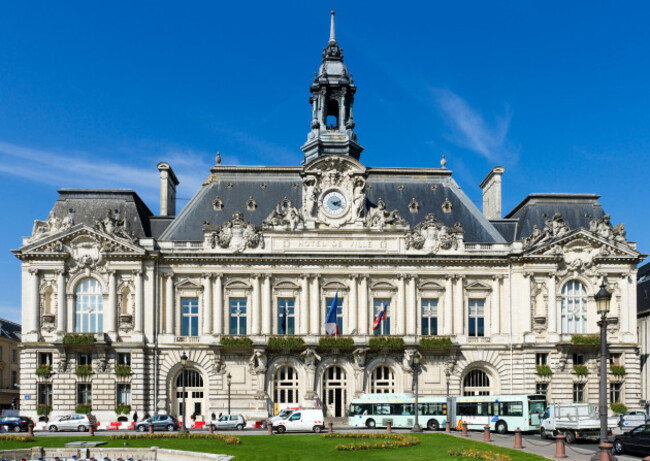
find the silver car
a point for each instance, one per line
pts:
(229, 422)
(76, 422)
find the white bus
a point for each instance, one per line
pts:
(374, 410)
(502, 412)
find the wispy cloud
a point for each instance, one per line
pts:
(471, 131)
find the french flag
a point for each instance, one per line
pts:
(331, 328)
(381, 316)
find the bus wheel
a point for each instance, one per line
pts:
(371, 423)
(433, 425)
(501, 427)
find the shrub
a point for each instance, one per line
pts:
(43, 410)
(617, 370)
(481, 455)
(44, 370)
(342, 343)
(83, 409)
(285, 343)
(84, 370)
(386, 343)
(441, 343)
(227, 439)
(585, 340)
(618, 408)
(122, 370)
(72, 339)
(234, 342)
(581, 370)
(543, 370)
(122, 409)
(383, 441)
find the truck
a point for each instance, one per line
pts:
(576, 421)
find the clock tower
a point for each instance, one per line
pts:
(332, 98)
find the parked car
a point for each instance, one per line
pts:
(160, 422)
(633, 419)
(76, 422)
(635, 441)
(229, 422)
(301, 420)
(15, 423)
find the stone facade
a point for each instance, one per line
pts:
(9, 364)
(114, 296)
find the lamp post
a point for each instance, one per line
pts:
(184, 363)
(416, 371)
(603, 298)
(229, 381)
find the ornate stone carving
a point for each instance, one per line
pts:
(113, 224)
(603, 227)
(285, 216)
(50, 226)
(407, 359)
(236, 235)
(379, 217)
(258, 361)
(555, 227)
(359, 355)
(310, 357)
(310, 197)
(432, 236)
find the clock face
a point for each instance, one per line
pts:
(334, 203)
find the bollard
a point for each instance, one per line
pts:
(647, 458)
(464, 429)
(211, 428)
(559, 446)
(269, 427)
(448, 427)
(150, 428)
(518, 439)
(330, 427)
(389, 426)
(605, 451)
(30, 429)
(91, 429)
(486, 433)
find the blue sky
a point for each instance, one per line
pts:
(94, 95)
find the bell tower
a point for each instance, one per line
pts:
(332, 98)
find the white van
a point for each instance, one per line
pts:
(301, 420)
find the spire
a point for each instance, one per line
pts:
(332, 29)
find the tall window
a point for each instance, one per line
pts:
(124, 358)
(615, 392)
(14, 379)
(429, 316)
(89, 311)
(124, 394)
(578, 393)
(45, 394)
(85, 359)
(84, 394)
(189, 316)
(45, 358)
(382, 380)
(578, 359)
(384, 324)
(285, 385)
(541, 388)
(286, 316)
(476, 324)
(237, 316)
(574, 307)
(541, 358)
(339, 311)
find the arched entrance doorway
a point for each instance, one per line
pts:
(335, 392)
(194, 395)
(382, 380)
(285, 387)
(476, 382)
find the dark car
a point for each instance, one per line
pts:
(15, 423)
(635, 441)
(160, 423)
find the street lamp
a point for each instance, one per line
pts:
(416, 371)
(184, 363)
(229, 381)
(603, 298)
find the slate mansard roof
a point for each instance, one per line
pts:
(643, 290)
(10, 330)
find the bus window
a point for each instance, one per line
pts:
(407, 409)
(358, 409)
(511, 409)
(536, 408)
(433, 409)
(381, 409)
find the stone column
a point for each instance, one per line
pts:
(71, 320)
(495, 306)
(551, 315)
(314, 308)
(169, 303)
(353, 307)
(267, 306)
(218, 306)
(526, 314)
(448, 319)
(400, 318)
(459, 307)
(623, 304)
(304, 305)
(363, 305)
(35, 307)
(207, 304)
(111, 309)
(61, 302)
(139, 301)
(411, 306)
(256, 314)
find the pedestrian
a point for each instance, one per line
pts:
(213, 416)
(135, 416)
(220, 415)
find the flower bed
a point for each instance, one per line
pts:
(72, 339)
(234, 342)
(341, 343)
(227, 439)
(581, 370)
(478, 454)
(386, 343)
(285, 343)
(16, 438)
(381, 441)
(543, 370)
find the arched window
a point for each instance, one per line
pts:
(382, 380)
(192, 379)
(285, 385)
(476, 382)
(89, 311)
(574, 307)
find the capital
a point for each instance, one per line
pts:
(137, 272)
(33, 271)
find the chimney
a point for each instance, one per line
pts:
(168, 183)
(491, 187)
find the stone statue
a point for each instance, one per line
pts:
(603, 227)
(310, 197)
(555, 227)
(258, 361)
(359, 355)
(113, 224)
(310, 357)
(284, 216)
(50, 226)
(379, 217)
(358, 199)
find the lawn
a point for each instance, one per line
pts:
(298, 447)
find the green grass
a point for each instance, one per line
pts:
(298, 447)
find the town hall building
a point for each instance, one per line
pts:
(242, 279)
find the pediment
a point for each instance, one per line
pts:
(334, 285)
(342, 163)
(286, 285)
(584, 243)
(382, 285)
(431, 286)
(478, 286)
(187, 284)
(237, 285)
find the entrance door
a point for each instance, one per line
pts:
(194, 396)
(335, 392)
(476, 382)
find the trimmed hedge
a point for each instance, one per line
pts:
(122, 370)
(72, 339)
(585, 340)
(581, 370)
(236, 342)
(441, 343)
(386, 343)
(342, 343)
(285, 343)
(543, 370)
